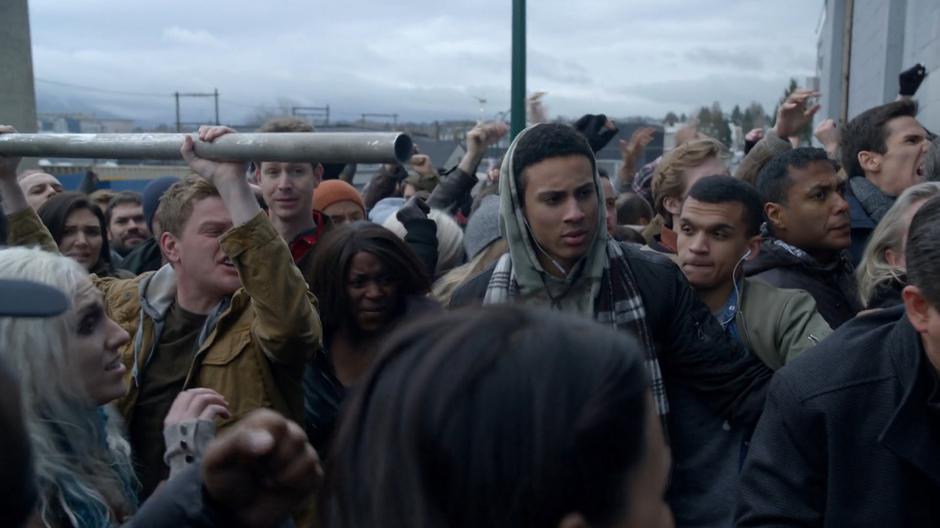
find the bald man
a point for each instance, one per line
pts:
(38, 187)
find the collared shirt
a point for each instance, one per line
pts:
(727, 316)
(305, 241)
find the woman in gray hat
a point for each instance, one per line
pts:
(483, 243)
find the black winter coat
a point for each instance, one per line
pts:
(692, 347)
(850, 435)
(833, 287)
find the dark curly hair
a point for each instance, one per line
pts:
(550, 140)
(334, 255)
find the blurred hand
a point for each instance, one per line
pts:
(537, 111)
(197, 404)
(640, 138)
(910, 79)
(484, 135)
(828, 133)
(793, 114)
(261, 469)
(755, 135)
(8, 165)
(211, 170)
(414, 209)
(422, 164)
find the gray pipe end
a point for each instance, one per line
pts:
(403, 148)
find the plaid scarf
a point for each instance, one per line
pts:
(618, 304)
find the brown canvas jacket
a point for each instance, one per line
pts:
(254, 346)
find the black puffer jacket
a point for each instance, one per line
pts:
(833, 286)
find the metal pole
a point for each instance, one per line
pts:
(327, 147)
(215, 93)
(327, 115)
(847, 58)
(177, 95)
(518, 67)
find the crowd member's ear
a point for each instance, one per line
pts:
(169, 246)
(869, 161)
(753, 245)
(673, 205)
(776, 215)
(318, 173)
(917, 308)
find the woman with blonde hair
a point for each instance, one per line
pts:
(483, 243)
(69, 368)
(676, 174)
(881, 273)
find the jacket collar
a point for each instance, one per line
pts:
(910, 434)
(157, 295)
(157, 292)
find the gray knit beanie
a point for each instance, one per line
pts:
(483, 227)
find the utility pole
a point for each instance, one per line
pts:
(518, 67)
(215, 92)
(312, 112)
(394, 118)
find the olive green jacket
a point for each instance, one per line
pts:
(254, 345)
(778, 324)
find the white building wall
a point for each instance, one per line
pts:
(888, 36)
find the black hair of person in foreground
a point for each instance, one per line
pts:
(501, 417)
(368, 282)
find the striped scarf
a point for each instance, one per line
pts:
(618, 304)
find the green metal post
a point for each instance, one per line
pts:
(518, 67)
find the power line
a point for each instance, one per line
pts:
(103, 90)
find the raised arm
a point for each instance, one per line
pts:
(794, 114)
(14, 200)
(26, 229)
(228, 177)
(457, 186)
(286, 323)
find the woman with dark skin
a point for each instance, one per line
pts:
(367, 281)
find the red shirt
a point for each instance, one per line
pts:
(304, 242)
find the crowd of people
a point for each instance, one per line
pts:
(541, 344)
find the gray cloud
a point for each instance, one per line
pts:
(419, 58)
(735, 58)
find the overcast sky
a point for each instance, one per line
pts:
(423, 59)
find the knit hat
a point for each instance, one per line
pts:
(385, 208)
(152, 194)
(330, 192)
(483, 227)
(450, 251)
